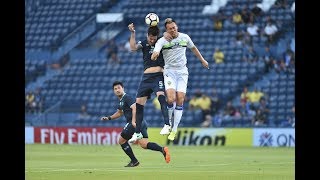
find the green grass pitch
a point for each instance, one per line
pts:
(94, 162)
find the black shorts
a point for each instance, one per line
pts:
(151, 82)
(128, 130)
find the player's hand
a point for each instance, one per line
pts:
(167, 36)
(131, 27)
(205, 64)
(104, 119)
(155, 55)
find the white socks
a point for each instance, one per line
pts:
(177, 117)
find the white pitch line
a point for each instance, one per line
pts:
(151, 168)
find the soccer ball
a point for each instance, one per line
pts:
(152, 19)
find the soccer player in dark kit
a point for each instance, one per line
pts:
(127, 107)
(152, 80)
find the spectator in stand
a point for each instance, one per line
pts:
(290, 120)
(236, 18)
(205, 106)
(244, 110)
(291, 66)
(112, 52)
(218, 21)
(288, 56)
(283, 67)
(256, 11)
(29, 102)
(215, 102)
(114, 59)
(263, 106)
(270, 30)
(217, 24)
(38, 101)
(259, 119)
(237, 114)
(202, 102)
(218, 56)
(276, 66)
(193, 101)
(194, 107)
(239, 39)
(83, 114)
(228, 112)
(245, 14)
(255, 96)
(244, 95)
(292, 117)
(250, 55)
(268, 58)
(253, 29)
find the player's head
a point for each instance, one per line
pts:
(153, 34)
(171, 27)
(118, 88)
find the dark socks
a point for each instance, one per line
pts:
(164, 110)
(139, 117)
(127, 149)
(154, 146)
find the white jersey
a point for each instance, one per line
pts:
(174, 52)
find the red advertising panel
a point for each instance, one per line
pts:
(76, 135)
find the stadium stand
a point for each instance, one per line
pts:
(87, 77)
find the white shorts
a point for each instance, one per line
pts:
(176, 79)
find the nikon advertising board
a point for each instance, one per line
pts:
(205, 137)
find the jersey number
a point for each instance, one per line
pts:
(160, 84)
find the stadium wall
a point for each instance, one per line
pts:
(240, 137)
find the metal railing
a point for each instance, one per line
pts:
(42, 119)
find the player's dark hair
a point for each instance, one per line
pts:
(154, 31)
(168, 21)
(117, 83)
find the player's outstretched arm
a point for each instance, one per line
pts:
(199, 56)
(133, 45)
(113, 116)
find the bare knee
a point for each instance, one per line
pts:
(121, 140)
(171, 99)
(143, 143)
(171, 96)
(180, 98)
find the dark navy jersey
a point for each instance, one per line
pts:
(125, 103)
(147, 51)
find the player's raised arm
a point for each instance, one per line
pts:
(116, 115)
(195, 51)
(133, 45)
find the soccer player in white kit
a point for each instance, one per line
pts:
(175, 70)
